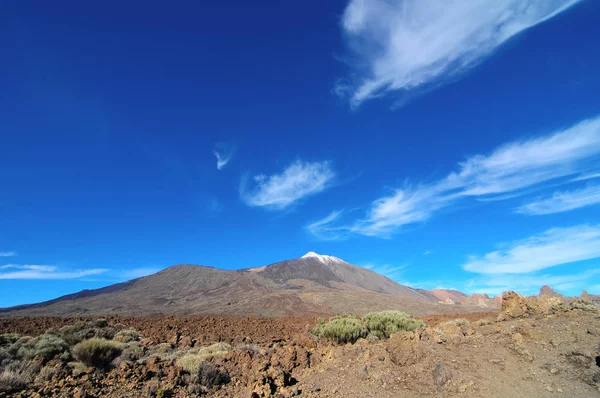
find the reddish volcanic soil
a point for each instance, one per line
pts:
(206, 329)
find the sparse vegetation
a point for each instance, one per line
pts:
(46, 345)
(374, 326)
(584, 305)
(192, 362)
(97, 352)
(8, 338)
(456, 322)
(12, 381)
(341, 329)
(485, 321)
(46, 373)
(127, 335)
(214, 350)
(384, 323)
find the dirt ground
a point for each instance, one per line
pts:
(526, 356)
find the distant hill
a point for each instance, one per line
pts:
(311, 285)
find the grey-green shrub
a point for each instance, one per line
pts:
(341, 329)
(384, 323)
(11, 381)
(8, 338)
(584, 305)
(97, 352)
(74, 333)
(45, 345)
(127, 335)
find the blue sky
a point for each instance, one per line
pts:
(451, 146)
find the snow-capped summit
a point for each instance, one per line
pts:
(325, 259)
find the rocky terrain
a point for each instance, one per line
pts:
(539, 346)
(308, 286)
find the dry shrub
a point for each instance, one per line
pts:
(97, 352)
(214, 350)
(132, 352)
(584, 305)
(190, 363)
(202, 372)
(46, 374)
(485, 321)
(456, 322)
(127, 336)
(11, 381)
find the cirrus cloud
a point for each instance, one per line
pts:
(512, 170)
(408, 44)
(297, 181)
(560, 202)
(18, 271)
(554, 247)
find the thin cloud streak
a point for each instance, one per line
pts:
(530, 284)
(44, 272)
(323, 229)
(403, 45)
(388, 270)
(554, 247)
(560, 202)
(8, 254)
(510, 171)
(297, 181)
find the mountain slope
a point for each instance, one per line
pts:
(311, 285)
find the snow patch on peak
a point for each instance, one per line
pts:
(325, 259)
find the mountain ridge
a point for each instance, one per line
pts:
(310, 285)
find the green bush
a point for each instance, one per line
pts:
(384, 323)
(46, 345)
(97, 352)
(341, 329)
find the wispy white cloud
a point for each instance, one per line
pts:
(407, 44)
(17, 271)
(8, 254)
(563, 201)
(511, 170)
(224, 152)
(587, 177)
(299, 180)
(389, 270)
(554, 247)
(324, 228)
(530, 284)
(43, 268)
